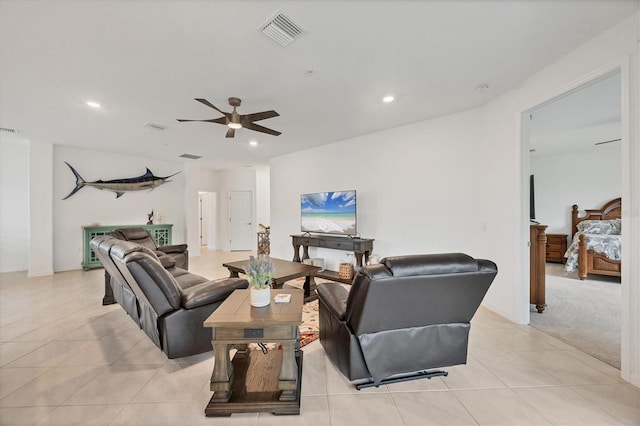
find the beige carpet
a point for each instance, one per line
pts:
(583, 314)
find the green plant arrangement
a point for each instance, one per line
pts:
(259, 272)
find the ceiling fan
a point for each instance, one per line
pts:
(235, 121)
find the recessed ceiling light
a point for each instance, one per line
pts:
(388, 99)
(253, 143)
(93, 104)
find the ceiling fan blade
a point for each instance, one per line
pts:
(210, 105)
(259, 116)
(259, 128)
(230, 133)
(221, 120)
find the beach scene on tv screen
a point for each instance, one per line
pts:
(329, 212)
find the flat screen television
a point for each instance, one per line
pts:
(331, 212)
(532, 200)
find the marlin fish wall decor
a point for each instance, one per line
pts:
(120, 186)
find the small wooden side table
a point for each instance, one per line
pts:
(255, 381)
(556, 247)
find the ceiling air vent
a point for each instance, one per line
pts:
(190, 156)
(7, 130)
(281, 29)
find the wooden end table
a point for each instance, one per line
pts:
(255, 381)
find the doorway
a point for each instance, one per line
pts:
(207, 228)
(575, 153)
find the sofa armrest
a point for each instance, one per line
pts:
(176, 248)
(166, 261)
(334, 297)
(210, 292)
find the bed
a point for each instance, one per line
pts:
(596, 241)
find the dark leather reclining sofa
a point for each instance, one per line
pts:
(168, 303)
(178, 252)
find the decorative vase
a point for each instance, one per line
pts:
(260, 297)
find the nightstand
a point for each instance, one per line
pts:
(556, 247)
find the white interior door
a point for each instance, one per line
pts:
(241, 220)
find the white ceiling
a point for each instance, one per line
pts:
(145, 61)
(579, 120)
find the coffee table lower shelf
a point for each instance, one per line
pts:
(255, 386)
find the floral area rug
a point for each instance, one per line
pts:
(309, 330)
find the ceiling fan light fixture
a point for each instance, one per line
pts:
(235, 121)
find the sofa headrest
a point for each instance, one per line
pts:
(376, 272)
(99, 241)
(133, 233)
(122, 248)
(430, 264)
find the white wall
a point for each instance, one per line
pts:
(221, 182)
(48, 237)
(233, 180)
(414, 194)
(459, 183)
(198, 179)
(41, 247)
(90, 205)
(14, 203)
(212, 201)
(588, 179)
(263, 195)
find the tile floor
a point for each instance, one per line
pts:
(67, 360)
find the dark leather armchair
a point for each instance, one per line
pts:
(178, 252)
(403, 317)
(171, 304)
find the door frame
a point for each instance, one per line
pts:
(630, 342)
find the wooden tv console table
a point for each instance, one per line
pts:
(361, 247)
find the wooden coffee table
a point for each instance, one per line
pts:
(284, 271)
(255, 381)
